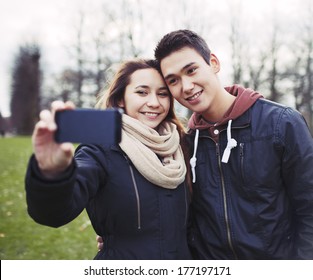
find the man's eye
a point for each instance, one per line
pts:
(172, 81)
(191, 70)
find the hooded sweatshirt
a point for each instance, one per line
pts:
(245, 98)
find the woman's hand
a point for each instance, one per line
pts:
(53, 158)
(99, 242)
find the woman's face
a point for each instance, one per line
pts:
(146, 97)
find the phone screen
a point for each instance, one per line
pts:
(89, 126)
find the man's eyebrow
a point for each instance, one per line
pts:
(184, 68)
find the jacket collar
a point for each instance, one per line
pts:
(243, 121)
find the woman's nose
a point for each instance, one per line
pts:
(153, 100)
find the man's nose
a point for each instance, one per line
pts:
(187, 84)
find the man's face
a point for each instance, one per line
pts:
(191, 81)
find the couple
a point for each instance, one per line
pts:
(250, 166)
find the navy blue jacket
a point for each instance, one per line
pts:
(259, 205)
(137, 220)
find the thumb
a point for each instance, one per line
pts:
(68, 149)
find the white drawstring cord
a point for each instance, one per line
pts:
(193, 160)
(231, 143)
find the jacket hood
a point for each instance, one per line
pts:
(245, 98)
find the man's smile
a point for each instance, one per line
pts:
(195, 96)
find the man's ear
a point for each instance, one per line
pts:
(215, 63)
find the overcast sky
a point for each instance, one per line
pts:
(20, 22)
(46, 22)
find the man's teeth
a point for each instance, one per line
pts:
(194, 96)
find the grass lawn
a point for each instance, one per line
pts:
(20, 237)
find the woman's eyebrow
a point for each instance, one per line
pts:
(142, 86)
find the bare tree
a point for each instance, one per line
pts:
(301, 71)
(80, 59)
(236, 42)
(26, 85)
(74, 77)
(274, 74)
(102, 62)
(2, 126)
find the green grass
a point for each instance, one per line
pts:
(20, 237)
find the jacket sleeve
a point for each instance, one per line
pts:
(297, 171)
(57, 202)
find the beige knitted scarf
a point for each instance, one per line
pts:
(157, 155)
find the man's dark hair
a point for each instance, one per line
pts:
(176, 40)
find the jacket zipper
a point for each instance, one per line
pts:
(229, 239)
(137, 197)
(186, 203)
(136, 193)
(241, 160)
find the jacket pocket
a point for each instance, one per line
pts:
(260, 166)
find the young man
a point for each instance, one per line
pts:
(252, 161)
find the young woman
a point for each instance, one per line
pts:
(135, 193)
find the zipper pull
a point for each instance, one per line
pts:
(241, 149)
(217, 150)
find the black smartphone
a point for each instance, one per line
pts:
(89, 126)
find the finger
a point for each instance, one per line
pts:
(98, 238)
(57, 105)
(40, 126)
(60, 105)
(69, 105)
(41, 134)
(47, 117)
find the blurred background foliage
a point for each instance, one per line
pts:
(262, 44)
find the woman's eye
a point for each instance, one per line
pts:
(164, 94)
(141, 92)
